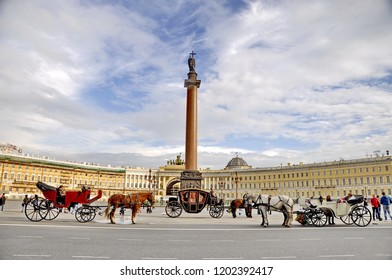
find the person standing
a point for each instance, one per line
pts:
(386, 202)
(25, 202)
(379, 204)
(2, 201)
(375, 207)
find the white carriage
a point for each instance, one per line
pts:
(351, 211)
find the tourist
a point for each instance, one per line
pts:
(25, 202)
(375, 207)
(386, 202)
(2, 201)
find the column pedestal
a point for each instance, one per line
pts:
(191, 179)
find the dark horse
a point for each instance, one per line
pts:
(241, 203)
(133, 201)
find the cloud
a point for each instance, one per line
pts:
(281, 81)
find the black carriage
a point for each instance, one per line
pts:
(194, 201)
(49, 206)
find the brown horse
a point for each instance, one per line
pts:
(240, 203)
(133, 201)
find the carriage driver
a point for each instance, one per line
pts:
(213, 196)
(60, 195)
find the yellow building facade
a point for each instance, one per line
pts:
(365, 176)
(19, 175)
(337, 178)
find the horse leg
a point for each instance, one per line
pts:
(133, 215)
(135, 209)
(265, 217)
(287, 220)
(233, 210)
(290, 215)
(248, 210)
(262, 217)
(284, 217)
(112, 214)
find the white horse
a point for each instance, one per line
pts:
(280, 203)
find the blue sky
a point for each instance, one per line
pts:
(282, 81)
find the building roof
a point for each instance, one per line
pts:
(237, 163)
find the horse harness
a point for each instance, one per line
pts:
(132, 203)
(268, 204)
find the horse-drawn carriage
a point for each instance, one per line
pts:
(49, 207)
(193, 201)
(350, 211)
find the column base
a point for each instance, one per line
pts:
(190, 179)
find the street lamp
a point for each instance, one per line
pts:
(236, 179)
(150, 178)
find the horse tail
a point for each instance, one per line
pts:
(107, 209)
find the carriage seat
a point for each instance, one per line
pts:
(355, 199)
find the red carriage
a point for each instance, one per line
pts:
(49, 207)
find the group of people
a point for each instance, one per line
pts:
(385, 201)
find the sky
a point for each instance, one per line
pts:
(281, 81)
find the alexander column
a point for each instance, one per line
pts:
(191, 177)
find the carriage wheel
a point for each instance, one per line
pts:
(32, 210)
(216, 211)
(319, 219)
(347, 219)
(85, 214)
(173, 209)
(47, 210)
(361, 216)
